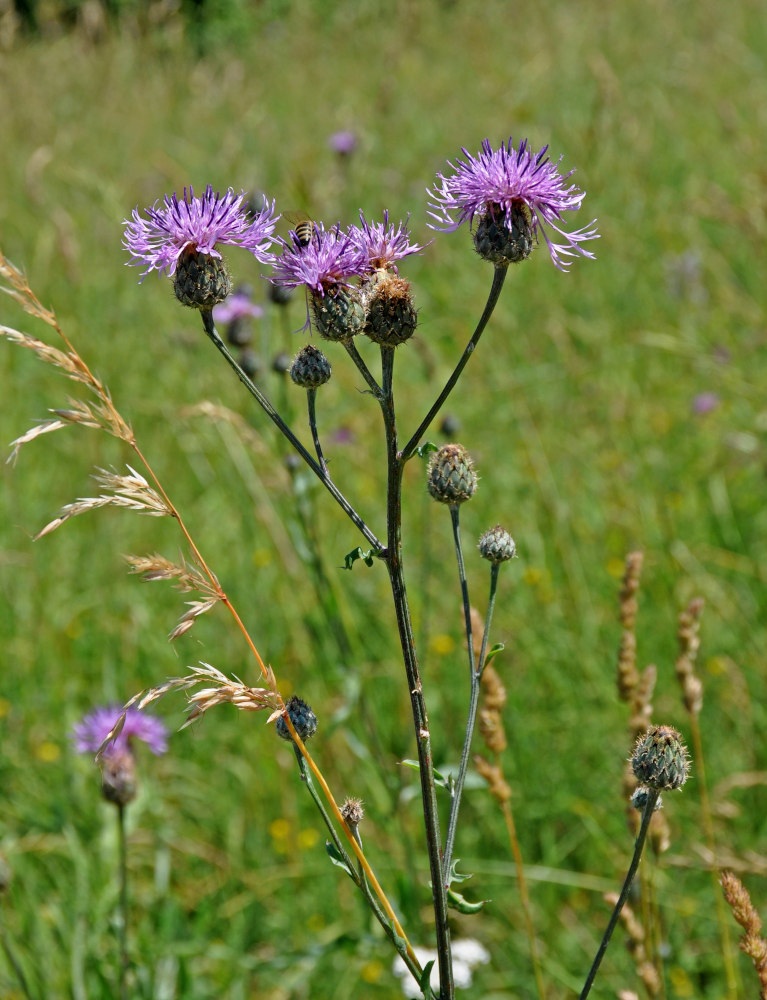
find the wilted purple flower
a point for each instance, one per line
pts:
(382, 243)
(198, 224)
(344, 143)
(238, 306)
(328, 260)
(90, 733)
(704, 402)
(500, 183)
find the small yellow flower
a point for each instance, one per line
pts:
(48, 752)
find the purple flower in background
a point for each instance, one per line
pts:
(344, 143)
(382, 243)
(502, 184)
(90, 733)
(328, 260)
(198, 224)
(238, 306)
(704, 402)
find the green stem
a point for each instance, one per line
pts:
(356, 872)
(475, 672)
(123, 863)
(499, 276)
(269, 410)
(311, 399)
(14, 963)
(356, 357)
(393, 557)
(652, 798)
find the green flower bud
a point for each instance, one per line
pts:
(497, 545)
(451, 476)
(660, 759)
(310, 368)
(303, 718)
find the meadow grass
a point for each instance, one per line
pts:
(578, 409)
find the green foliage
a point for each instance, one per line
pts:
(579, 407)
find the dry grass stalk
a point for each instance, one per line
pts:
(744, 911)
(132, 491)
(222, 690)
(102, 414)
(628, 677)
(493, 775)
(157, 567)
(490, 719)
(689, 644)
(636, 947)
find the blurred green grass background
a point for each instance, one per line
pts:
(579, 407)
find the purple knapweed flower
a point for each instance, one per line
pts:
(344, 142)
(328, 260)
(238, 306)
(382, 243)
(704, 402)
(197, 224)
(90, 733)
(501, 184)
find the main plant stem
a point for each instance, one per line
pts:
(393, 558)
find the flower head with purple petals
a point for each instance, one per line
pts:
(382, 243)
(512, 184)
(344, 142)
(238, 306)
(327, 261)
(90, 733)
(198, 224)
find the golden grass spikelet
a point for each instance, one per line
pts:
(689, 644)
(628, 677)
(157, 567)
(223, 690)
(22, 293)
(493, 775)
(745, 913)
(132, 491)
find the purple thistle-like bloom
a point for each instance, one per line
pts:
(199, 224)
(90, 733)
(500, 181)
(329, 259)
(382, 243)
(238, 305)
(344, 143)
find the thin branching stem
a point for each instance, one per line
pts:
(311, 400)
(475, 675)
(123, 925)
(652, 798)
(358, 360)
(357, 874)
(395, 466)
(269, 410)
(499, 276)
(301, 747)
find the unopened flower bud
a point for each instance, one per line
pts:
(497, 545)
(353, 812)
(338, 314)
(451, 476)
(310, 368)
(281, 363)
(391, 315)
(639, 799)
(201, 281)
(502, 242)
(118, 777)
(660, 759)
(303, 718)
